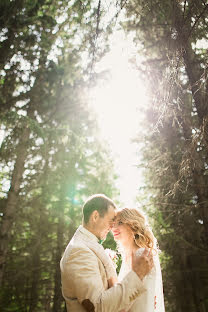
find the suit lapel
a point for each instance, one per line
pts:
(92, 242)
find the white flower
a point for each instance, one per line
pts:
(112, 254)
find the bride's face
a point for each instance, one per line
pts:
(122, 232)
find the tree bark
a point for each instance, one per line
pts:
(58, 299)
(12, 199)
(35, 268)
(192, 64)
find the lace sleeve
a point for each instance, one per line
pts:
(154, 300)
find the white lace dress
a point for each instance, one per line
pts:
(152, 300)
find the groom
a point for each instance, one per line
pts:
(86, 270)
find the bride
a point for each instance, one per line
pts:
(133, 236)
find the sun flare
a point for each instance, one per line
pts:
(119, 103)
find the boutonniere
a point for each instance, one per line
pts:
(113, 255)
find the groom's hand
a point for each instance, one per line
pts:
(143, 264)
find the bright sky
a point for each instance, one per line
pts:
(119, 102)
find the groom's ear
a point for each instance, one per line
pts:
(95, 215)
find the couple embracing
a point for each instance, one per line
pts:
(89, 279)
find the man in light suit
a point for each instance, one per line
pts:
(87, 273)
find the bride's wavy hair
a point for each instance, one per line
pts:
(143, 235)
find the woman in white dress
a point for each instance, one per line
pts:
(133, 234)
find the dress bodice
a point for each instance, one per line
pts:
(151, 300)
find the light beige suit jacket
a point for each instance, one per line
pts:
(84, 276)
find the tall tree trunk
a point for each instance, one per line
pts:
(200, 95)
(38, 236)
(58, 298)
(192, 65)
(35, 268)
(12, 199)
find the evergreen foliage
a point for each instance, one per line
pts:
(172, 37)
(50, 156)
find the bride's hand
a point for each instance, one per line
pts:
(143, 264)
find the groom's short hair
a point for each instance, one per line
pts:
(99, 202)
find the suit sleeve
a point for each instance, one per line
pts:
(83, 269)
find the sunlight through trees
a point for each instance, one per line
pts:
(53, 61)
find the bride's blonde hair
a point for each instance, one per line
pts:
(143, 235)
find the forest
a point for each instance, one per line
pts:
(51, 156)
